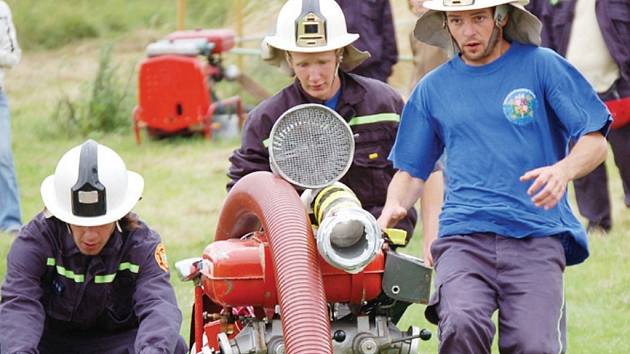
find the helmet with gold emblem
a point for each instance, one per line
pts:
(311, 26)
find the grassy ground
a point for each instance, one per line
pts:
(185, 178)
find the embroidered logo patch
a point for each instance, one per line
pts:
(519, 106)
(160, 257)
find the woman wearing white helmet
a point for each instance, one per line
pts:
(311, 41)
(503, 110)
(86, 275)
(313, 31)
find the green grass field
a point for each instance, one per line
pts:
(185, 178)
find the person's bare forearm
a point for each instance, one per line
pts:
(430, 207)
(431, 204)
(550, 182)
(403, 192)
(587, 153)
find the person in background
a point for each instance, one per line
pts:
(594, 36)
(86, 275)
(372, 20)
(425, 57)
(10, 54)
(503, 110)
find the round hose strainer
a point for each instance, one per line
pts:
(311, 146)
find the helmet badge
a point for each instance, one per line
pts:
(88, 193)
(310, 26)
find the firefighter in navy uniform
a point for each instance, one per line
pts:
(86, 275)
(312, 43)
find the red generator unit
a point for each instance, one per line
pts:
(264, 288)
(175, 86)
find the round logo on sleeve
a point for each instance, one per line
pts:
(160, 257)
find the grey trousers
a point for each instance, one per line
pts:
(480, 273)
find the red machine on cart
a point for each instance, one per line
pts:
(176, 88)
(271, 284)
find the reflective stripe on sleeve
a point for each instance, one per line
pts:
(375, 118)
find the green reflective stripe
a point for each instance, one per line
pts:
(78, 278)
(108, 278)
(266, 142)
(99, 279)
(134, 268)
(375, 118)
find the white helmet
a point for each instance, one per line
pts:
(522, 25)
(312, 26)
(91, 186)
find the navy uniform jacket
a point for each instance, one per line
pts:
(50, 287)
(372, 109)
(373, 21)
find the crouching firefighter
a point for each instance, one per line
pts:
(86, 275)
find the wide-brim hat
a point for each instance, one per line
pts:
(522, 25)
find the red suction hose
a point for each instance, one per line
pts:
(275, 203)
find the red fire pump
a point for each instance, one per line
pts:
(176, 88)
(270, 284)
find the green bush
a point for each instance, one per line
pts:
(107, 108)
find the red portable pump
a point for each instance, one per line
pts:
(273, 283)
(241, 275)
(175, 87)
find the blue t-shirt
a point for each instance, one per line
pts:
(495, 122)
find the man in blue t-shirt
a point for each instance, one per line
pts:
(503, 111)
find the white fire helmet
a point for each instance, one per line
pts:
(312, 26)
(522, 25)
(91, 186)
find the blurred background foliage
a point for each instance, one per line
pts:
(49, 24)
(105, 101)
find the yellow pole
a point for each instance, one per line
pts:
(239, 30)
(181, 14)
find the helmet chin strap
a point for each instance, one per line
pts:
(500, 13)
(336, 71)
(339, 59)
(493, 41)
